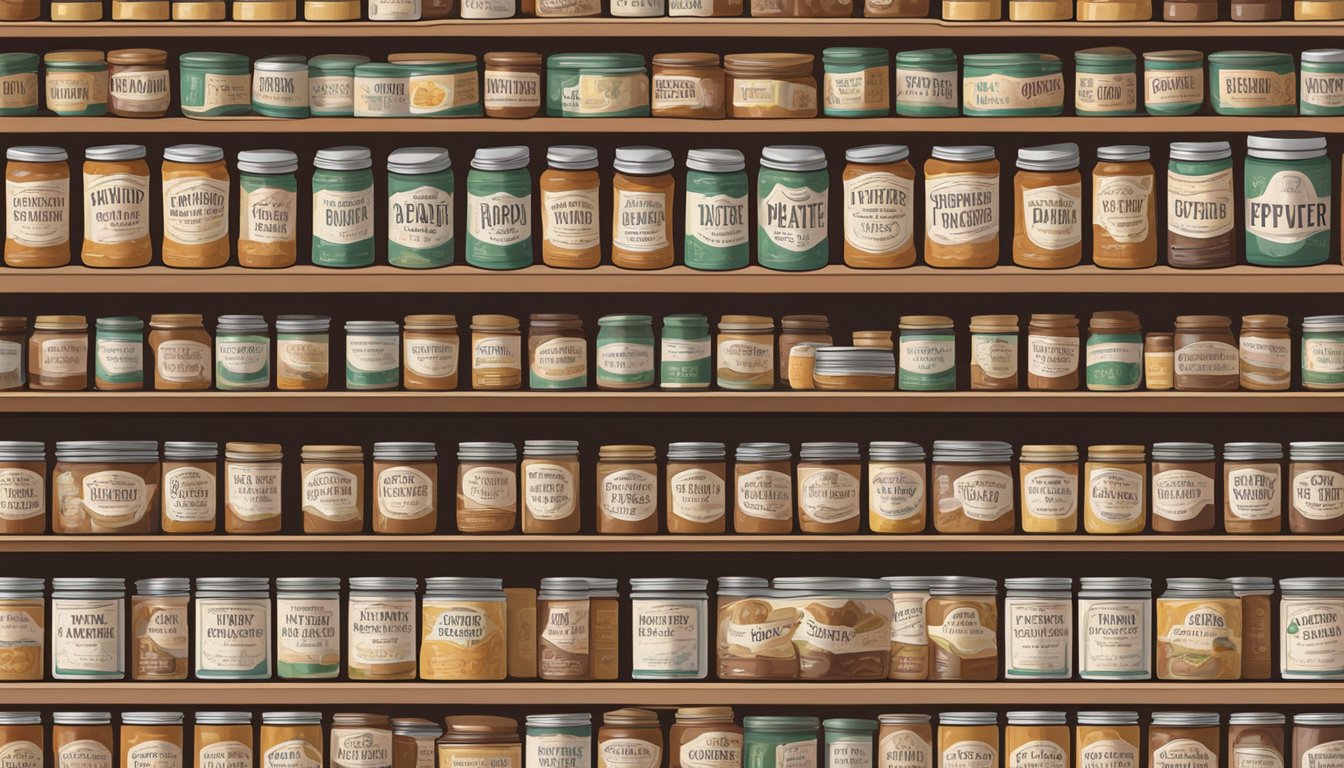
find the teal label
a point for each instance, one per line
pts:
(1323, 359)
(210, 94)
(372, 362)
(120, 357)
(927, 363)
(559, 363)
(242, 362)
(685, 363)
(1114, 361)
(626, 364)
(926, 93)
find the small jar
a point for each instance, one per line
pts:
(1048, 226)
(267, 208)
(119, 354)
(701, 732)
(232, 628)
(1199, 630)
(477, 739)
(1201, 205)
(1105, 82)
(1316, 471)
(571, 732)
(564, 636)
(905, 739)
(1257, 618)
(116, 207)
(973, 487)
(1124, 217)
(961, 203)
(1159, 361)
(770, 85)
(58, 353)
(381, 638)
(643, 194)
(627, 489)
(1317, 10)
(926, 81)
(76, 83)
(879, 209)
(405, 488)
(963, 624)
(487, 487)
(221, 738)
(37, 204)
(1114, 351)
(13, 362)
(624, 352)
(1265, 353)
(160, 630)
(496, 353)
(343, 206)
(287, 736)
(669, 620)
(927, 354)
(687, 85)
(571, 225)
(684, 359)
(994, 352)
(332, 482)
(429, 352)
(1117, 483)
(499, 209)
(746, 353)
(630, 737)
(181, 348)
(1033, 737)
(1252, 488)
(1115, 636)
(550, 493)
(1173, 82)
(796, 330)
(242, 353)
(1049, 488)
(360, 740)
(1052, 353)
(190, 487)
(372, 354)
(1322, 350)
(1252, 82)
(302, 352)
(828, 487)
(23, 509)
(214, 84)
(763, 482)
(81, 738)
(252, 474)
(557, 352)
(1206, 358)
(775, 739)
(137, 84)
(18, 74)
(857, 82)
(793, 218)
(279, 84)
(849, 742)
(897, 489)
(1319, 83)
(419, 208)
(697, 501)
(512, 85)
(1257, 10)
(1183, 488)
(1318, 604)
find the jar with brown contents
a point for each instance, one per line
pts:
(843, 628)
(879, 209)
(909, 629)
(550, 495)
(1052, 353)
(1033, 739)
(571, 221)
(360, 740)
(746, 354)
(196, 192)
(557, 352)
(704, 736)
(753, 637)
(1257, 625)
(23, 505)
(763, 488)
(21, 738)
(512, 84)
(332, 482)
(487, 487)
(972, 486)
(1265, 353)
(1124, 216)
(13, 365)
(429, 352)
(496, 353)
(474, 740)
(687, 85)
(1116, 477)
(1183, 740)
(289, 738)
(770, 85)
(696, 488)
(23, 611)
(563, 629)
(1255, 739)
(642, 202)
(968, 739)
(1252, 488)
(190, 487)
(1183, 488)
(631, 738)
(604, 619)
(963, 625)
(904, 740)
(181, 348)
(828, 487)
(1316, 735)
(1048, 225)
(252, 487)
(82, 740)
(37, 207)
(795, 330)
(222, 739)
(58, 353)
(405, 488)
(160, 626)
(994, 352)
(961, 207)
(116, 207)
(1199, 631)
(137, 84)
(627, 489)
(105, 487)
(1206, 354)
(302, 352)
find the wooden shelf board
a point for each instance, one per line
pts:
(517, 543)
(636, 125)
(669, 27)
(782, 402)
(608, 279)
(267, 694)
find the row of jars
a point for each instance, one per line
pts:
(1286, 200)
(908, 628)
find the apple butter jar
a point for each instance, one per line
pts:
(1048, 225)
(1052, 353)
(962, 616)
(1316, 470)
(763, 488)
(1252, 488)
(1206, 354)
(1201, 205)
(1183, 740)
(1318, 738)
(1183, 488)
(1255, 740)
(972, 484)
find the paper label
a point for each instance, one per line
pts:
(75, 91)
(37, 212)
(1255, 88)
(628, 495)
(226, 754)
(404, 493)
(1254, 494)
(625, 360)
(343, 218)
(20, 753)
(1181, 86)
(233, 635)
(765, 494)
(431, 358)
(903, 748)
(119, 358)
(382, 631)
(746, 357)
(605, 94)
(1050, 357)
(879, 212)
(673, 91)
(302, 356)
(195, 210)
(1120, 206)
(499, 219)
(1053, 216)
(628, 753)
(189, 495)
(497, 352)
(1113, 637)
(288, 89)
(226, 91)
(1318, 494)
(253, 490)
(361, 747)
(153, 754)
(666, 637)
(116, 207)
(115, 497)
(22, 497)
(774, 94)
(919, 88)
(828, 495)
(1108, 753)
(1049, 493)
(490, 487)
(571, 219)
(998, 93)
(995, 354)
(1313, 636)
(895, 493)
(1115, 496)
(1038, 753)
(697, 495)
(511, 90)
(794, 218)
(87, 636)
(961, 208)
(1200, 207)
(420, 218)
(331, 94)
(970, 754)
(18, 91)
(1184, 753)
(718, 221)
(548, 490)
(180, 360)
(712, 749)
(268, 215)
(1323, 89)
(84, 753)
(863, 90)
(294, 753)
(332, 494)
(1111, 92)
(1207, 358)
(641, 220)
(985, 494)
(371, 354)
(1288, 210)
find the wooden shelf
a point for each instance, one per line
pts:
(608, 279)
(669, 27)
(518, 543)
(783, 402)
(426, 127)
(267, 694)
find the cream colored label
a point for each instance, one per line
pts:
(37, 212)
(512, 90)
(65, 356)
(919, 88)
(765, 494)
(361, 747)
(995, 93)
(381, 97)
(558, 750)
(994, 354)
(1120, 206)
(774, 94)
(114, 498)
(1051, 357)
(421, 217)
(382, 631)
(700, 8)
(794, 218)
(20, 753)
(404, 493)
(666, 637)
(641, 220)
(961, 208)
(712, 749)
(1245, 756)
(282, 89)
(1113, 636)
(343, 217)
(87, 635)
(431, 94)
(685, 350)
(463, 625)
(22, 494)
(1050, 493)
(302, 356)
(499, 219)
(195, 210)
(1204, 627)
(561, 359)
(189, 495)
(268, 215)
(394, 10)
(490, 487)
(18, 91)
(927, 356)
(796, 754)
(1038, 753)
(1318, 494)
(866, 89)
(372, 353)
(879, 212)
(488, 9)
(637, 8)
(697, 495)
(749, 358)
(1115, 496)
(1289, 210)
(116, 207)
(1255, 88)
(1180, 494)
(1323, 89)
(1265, 360)
(294, 753)
(895, 493)
(1173, 86)
(226, 91)
(571, 219)
(1108, 753)
(673, 91)
(718, 221)
(497, 352)
(1053, 216)
(828, 495)
(331, 94)
(562, 8)
(604, 94)
(180, 360)
(849, 754)
(624, 359)
(1254, 494)
(75, 91)
(1115, 92)
(1184, 753)
(431, 358)
(628, 495)
(1322, 356)
(253, 490)
(117, 357)
(242, 357)
(1200, 207)
(566, 625)
(1038, 640)
(1327, 755)
(232, 634)
(628, 753)
(775, 629)
(332, 494)
(908, 618)
(970, 754)
(985, 494)
(904, 748)
(549, 490)
(1312, 636)
(11, 358)
(226, 754)
(1207, 358)
(84, 753)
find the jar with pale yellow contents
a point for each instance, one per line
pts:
(291, 739)
(770, 85)
(22, 629)
(485, 741)
(1107, 739)
(463, 629)
(897, 488)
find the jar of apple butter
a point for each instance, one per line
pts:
(1052, 353)
(972, 484)
(1183, 488)
(1183, 740)
(1252, 488)
(1048, 225)
(963, 624)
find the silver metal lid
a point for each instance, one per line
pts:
(1200, 586)
(909, 583)
(715, 160)
(1252, 451)
(668, 585)
(405, 451)
(302, 324)
(895, 451)
(1323, 323)
(268, 161)
(405, 726)
(1309, 585)
(968, 154)
(742, 582)
(188, 451)
(1037, 718)
(88, 584)
(822, 451)
(457, 584)
(37, 154)
(760, 452)
(1196, 151)
(501, 158)
(281, 63)
(224, 718)
(19, 586)
(571, 586)
(115, 152)
(962, 585)
(603, 587)
(968, 718)
(1115, 584)
(972, 451)
(1316, 451)
(642, 160)
(1251, 585)
(575, 157)
(1187, 719)
(1124, 153)
(21, 450)
(81, 718)
(416, 160)
(877, 154)
(385, 583)
(241, 323)
(343, 158)
(233, 584)
(1051, 157)
(291, 718)
(550, 447)
(193, 153)
(487, 452)
(1319, 718)
(816, 584)
(163, 586)
(855, 361)
(146, 451)
(373, 327)
(1323, 56)
(1183, 452)
(793, 157)
(1285, 148)
(559, 720)
(694, 451)
(1039, 584)
(307, 584)
(1107, 717)
(151, 718)
(904, 718)
(20, 718)
(1257, 718)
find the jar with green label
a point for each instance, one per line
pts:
(242, 352)
(685, 359)
(1114, 351)
(119, 353)
(18, 84)
(1173, 82)
(718, 235)
(792, 216)
(597, 85)
(1321, 90)
(1323, 352)
(1287, 201)
(857, 82)
(1253, 83)
(268, 213)
(849, 742)
(215, 84)
(331, 84)
(343, 207)
(777, 741)
(927, 359)
(499, 209)
(625, 352)
(419, 208)
(372, 354)
(280, 86)
(1105, 82)
(926, 83)
(76, 83)
(1012, 85)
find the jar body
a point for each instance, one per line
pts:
(1049, 496)
(858, 89)
(963, 630)
(641, 236)
(1115, 637)
(190, 496)
(37, 213)
(107, 497)
(118, 360)
(1303, 657)
(1201, 212)
(233, 634)
(972, 498)
(879, 215)
(927, 360)
(342, 218)
(1257, 616)
(116, 214)
(625, 356)
(686, 740)
(627, 497)
(1318, 86)
(1173, 87)
(688, 90)
(381, 641)
(182, 358)
(23, 507)
(1254, 84)
(961, 213)
(25, 637)
(792, 231)
(550, 494)
(718, 236)
(763, 497)
(1124, 216)
(1274, 190)
(1114, 501)
(450, 652)
(1052, 356)
(758, 92)
(267, 220)
(696, 496)
(487, 497)
(58, 360)
(242, 359)
(420, 232)
(499, 220)
(1252, 496)
(512, 91)
(1206, 358)
(302, 360)
(76, 88)
(333, 496)
(1316, 506)
(571, 223)
(828, 496)
(1214, 628)
(496, 359)
(220, 744)
(1048, 227)
(195, 214)
(429, 359)
(1106, 88)
(1265, 357)
(994, 357)
(405, 496)
(897, 497)
(564, 632)
(159, 629)
(1114, 361)
(746, 359)
(252, 496)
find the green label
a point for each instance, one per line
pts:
(1323, 359)
(242, 362)
(1114, 361)
(625, 363)
(685, 364)
(372, 362)
(120, 358)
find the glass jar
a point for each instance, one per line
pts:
(1323, 352)
(511, 86)
(195, 206)
(105, 487)
(630, 737)
(1052, 353)
(746, 353)
(23, 739)
(1159, 361)
(1117, 479)
(699, 734)
(76, 83)
(1173, 82)
(1183, 738)
(77, 654)
(1048, 226)
(1115, 630)
(669, 630)
(972, 487)
(696, 482)
(1287, 190)
(770, 85)
(926, 80)
(567, 734)
(13, 362)
(1038, 633)
(909, 636)
(242, 353)
(332, 482)
(927, 354)
(879, 209)
(419, 208)
(1011, 84)
(905, 739)
(994, 352)
(190, 487)
(1105, 82)
(372, 354)
(774, 741)
(1252, 488)
(252, 474)
(463, 630)
(687, 85)
(429, 352)
(557, 352)
(119, 354)
(82, 738)
(405, 488)
(1316, 470)
(1124, 221)
(1201, 205)
(1265, 353)
(643, 194)
(307, 630)
(571, 226)
(1252, 82)
(487, 487)
(343, 206)
(381, 637)
(627, 489)
(37, 205)
(624, 352)
(897, 488)
(849, 742)
(969, 739)
(1318, 86)
(331, 84)
(499, 206)
(550, 494)
(496, 353)
(684, 362)
(1311, 616)
(267, 208)
(718, 232)
(116, 207)
(1183, 488)
(828, 487)
(472, 740)
(302, 352)
(743, 608)
(604, 619)
(860, 608)
(222, 738)
(233, 628)
(181, 348)
(796, 331)
(214, 84)
(160, 629)
(961, 207)
(23, 506)
(1035, 737)
(1199, 631)
(564, 630)
(1257, 632)
(18, 73)
(963, 625)
(763, 478)
(857, 82)
(1049, 488)
(1114, 351)
(360, 740)
(793, 221)
(279, 83)
(1206, 357)
(1257, 10)
(58, 353)
(290, 737)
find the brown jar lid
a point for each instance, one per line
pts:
(1264, 322)
(1213, 322)
(13, 324)
(494, 323)
(777, 64)
(1159, 341)
(804, 323)
(60, 322)
(250, 449)
(920, 322)
(1114, 320)
(627, 453)
(630, 716)
(1054, 321)
(359, 718)
(332, 453)
(430, 323)
(479, 729)
(991, 323)
(73, 55)
(424, 58)
(1115, 452)
(554, 321)
(746, 323)
(1047, 454)
(137, 56)
(704, 713)
(686, 60)
(170, 321)
(513, 59)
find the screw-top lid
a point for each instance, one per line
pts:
(241, 324)
(715, 160)
(418, 160)
(267, 161)
(550, 447)
(1186, 719)
(37, 154)
(307, 584)
(343, 158)
(962, 585)
(385, 583)
(904, 718)
(162, 586)
(115, 152)
(1048, 454)
(895, 451)
(81, 718)
(151, 718)
(291, 718)
(1197, 151)
(281, 63)
(1037, 718)
(832, 451)
(967, 154)
(1316, 451)
(571, 157)
(405, 451)
(487, 452)
(224, 718)
(1124, 153)
(642, 160)
(763, 452)
(302, 324)
(968, 718)
(793, 157)
(1318, 719)
(1051, 157)
(1252, 451)
(560, 720)
(1182, 452)
(371, 327)
(1323, 56)
(972, 451)
(119, 324)
(20, 718)
(1118, 717)
(501, 158)
(1039, 584)
(20, 450)
(1285, 147)
(877, 154)
(696, 451)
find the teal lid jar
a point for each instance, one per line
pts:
(718, 234)
(1173, 82)
(792, 215)
(372, 354)
(76, 84)
(1322, 348)
(18, 84)
(419, 208)
(242, 352)
(343, 207)
(1012, 85)
(331, 84)
(444, 88)
(1253, 83)
(119, 353)
(685, 359)
(1322, 82)
(779, 741)
(849, 742)
(857, 82)
(926, 83)
(624, 352)
(926, 354)
(214, 84)
(499, 209)
(597, 85)
(1288, 201)
(280, 86)
(1105, 82)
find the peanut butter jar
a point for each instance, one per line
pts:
(1036, 738)
(961, 207)
(963, 624)
(1253, 488)
(763, 488)
(563, 629)
(106, 487)
(828, 487)
(190, 487)
(405, 488)
(512, 84)
(23, 613)
(697, 499)
(487, 487)
(627, 489)
(687, 85)
(770, 85)
(897, 488)
(151, 738)
(1049, 488)
(332, 482)
(23, 477)
(972, 486)
(252, 474)
(550, 479)
(879, 210)
(968, 739)
(1052, 353)
(37, 207)
(904, 740)
(909, 630)
(1048, 225)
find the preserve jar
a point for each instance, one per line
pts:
(252, 474)
(1199, 631)
(307, 632)
(1265, 353)
(770, 85)
(643, 192)
(1183, 486)
(1012, 85)
(332, 488)
(972, 484)
(181, 348)
(222, 738)
(496, 353)
(570, 733)
(1038, 635)
(405, 488)
(696, 480)
(624, 352)
(1049, 488)
(289, 737)
(629, 737)
(116, 207)
(137, 84)
(1252, 488)
(927, 354)
(994, 352)
(242, 353)
(58, 353)
(1048, 226)
(860, 609)
(18, 73)
(1124, 217)
(233, 628)
(857, 82)
(904, 739)
(604, 619)
(1052, 353)
(190, 487)
(669, 630)
(267, 208)
(775, 740)
(1287, 190)
(13, 362)
(82, 738)
(487, 487)
(76, 83)
(961, 207)
(963, 623)
(22, 737)
(1173, 82)
(429, 352)
(1114, 351)
(717, 231)
(195, 207)
(343, 205)
(793, 219)
(909, 631)
(80, 654)
(360, 740)
(119, 352)
(420, 233)
(1117, 481)
(1188, 739)
(463, 629)
(564, 624)
(1032, 738)
(1257, 631)
(627, 489)
(550, 486)
(622, 76)
(1105, 82)
(511, 85)
(849, 741)
(160, 629)
(745, 612)
(331, 84)
(279, 83)
(1252, 83)
(828, 487)
(1159, 361)
(472, 739)
(1311, 616)
(214, 84)
(879, 209)
(557, 352)
(1316, 470)
(926, 80)
(1322, 350)
(1318, 87)
(37, 205)
(23, 505)
(571, 226)
(1115, 630)
(302, 352)
(1201, 205)
(763, 482)
(381, 637)
(1206, 357)
(499, 209)
(106, 486)
(372, 354)
(1190, 10)
(897, 488)
(687, 84)
(699, 734)
(746, 353)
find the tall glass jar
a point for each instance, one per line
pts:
(571, 221)
(190, 487)
(792, 215)
(897, 488)
(642, 202)
(1252, 488)
(972, 482)
(1116, 478)
(233, 630)
(963, 623)
(119, 354)
(684, 362)
(420, 232)
(160, 629)
(332, 489)
(1049, 488)
(381, 635)
(961, 207)
(37, 205)
(1038, 629)
(1201, 206)
(116, 207)
(879, 207)
(307, 627)
(267, 208)
(696, 488)
(499, 208)
(23, 497)
(252, 473)
(343, 207)
(1048, 225)
(627, 489)
(557, 351)
(196, 192)
(1124, 216)
(718, 235)
(669, 637)
(1115, 628)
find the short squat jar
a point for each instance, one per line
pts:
(972, 482)
(1183, 488)
(1253, 488)
(828, 488)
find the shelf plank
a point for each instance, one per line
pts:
(833, 279)
(267, 694)
(673, 402)
(516, 543)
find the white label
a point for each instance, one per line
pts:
(697, 495)
(22, 495)
(65, 357)
(1115, 495)
(343, 218)
(718, 221)
(499, 219)
(1051, 357)
(641, 220)
(490, 487)
(116, 357)
(879, 212)
(233, 635)
(628, 495)
(904, 748)
(242, 357)
(571, 219)
(796, 754)
(87, 635)
(1114, 637)
(286, 89)
(1053, 216)
(1049, 493)
(1207, 358)
(195, 210)
(268, 215)
(497, 352)
(294, 753)
(1181, 86)
(431, 358)
(253, 490)
(622, 359)
(404, 493)
(1312, 636)
(548, 490)
(37, 212)
(116, 207)
(1184, 753)
(970, 754)
(998, 93)
(849, 754)
(189, 495)
(921, 88)
(628, 753)
(1253, 493)
(183, 361)
(1200, 207)
(1180, 494)
(927, 356)
(995, 354)
(1105, 92)
(712, 749)
(671, 91)
(1323, 89)
(1038, 753)
(382, 631)
(20, 753)
(373, 354)
(1120, 206)
(420, 218)
(985, 494)
(1038, 637)
(1318, 494)
(565, 626)
(84, 753)
(303, 356)
(143, 91)
(895, 493)
(828, 495)
(684, 350)
(114, 497)
(226, 754)
(1254, 88)
(765, 494)
(361, 747)
(1288, 210)
(961, 208)
(667, 636)
(226, 91)
(558, 751)
(749, 358)
(794, 218)
(332, 494)
(1322, 356)
(506, 90)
